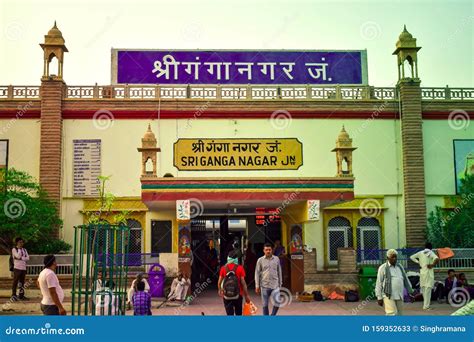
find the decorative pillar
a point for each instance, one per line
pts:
(149, 150)
(343, 151)
(409, 92)
(52, 93)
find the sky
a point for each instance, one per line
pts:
(444, 30)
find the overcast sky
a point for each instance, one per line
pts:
(444, 30)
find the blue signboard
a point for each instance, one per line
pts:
(238, 67)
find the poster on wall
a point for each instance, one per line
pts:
(296, 242)
(86, 167)
(463, 160)
(183, 210)
(184, 242)
(313, 209)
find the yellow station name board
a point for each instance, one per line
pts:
(238, 154)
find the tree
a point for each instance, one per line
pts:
(454, 228)
(27, 212)
(105, 214)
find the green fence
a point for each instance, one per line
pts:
(99, 284)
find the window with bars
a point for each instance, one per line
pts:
(339, 236)
(368, 238)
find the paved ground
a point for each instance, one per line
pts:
(208, 303)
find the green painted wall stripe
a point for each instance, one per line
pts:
(246, 186)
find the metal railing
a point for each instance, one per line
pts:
(463, 258)
(131, 259)
(66, 266)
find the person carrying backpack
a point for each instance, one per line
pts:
(232, 286)
(18, 260)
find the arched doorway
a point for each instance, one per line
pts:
(368, 238)
(339, 236)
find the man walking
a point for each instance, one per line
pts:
(427, 259)
(232, 286)
(268, 279)
(391, 280)
(48, 283)
(20, 257)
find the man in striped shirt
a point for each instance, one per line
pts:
(20, 257)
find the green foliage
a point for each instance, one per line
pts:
(454, 228)
(27, 212)
(52, 246)
(105, 215)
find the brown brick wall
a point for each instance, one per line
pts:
(413, 163)
(51, 139)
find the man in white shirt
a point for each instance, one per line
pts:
(427, 259)
(48, 283)
(391, 280)
(20, 257)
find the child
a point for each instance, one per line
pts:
(141, 301)
(106, 302)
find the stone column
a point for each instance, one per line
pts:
(51, 140)
(413, 162)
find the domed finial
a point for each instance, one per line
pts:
(405, 28)
(55, 24)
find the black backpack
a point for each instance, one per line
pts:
(11, 262)
(351, 296)
(317, 296)
(230, 285)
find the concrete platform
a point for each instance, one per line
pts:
(208, 303)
